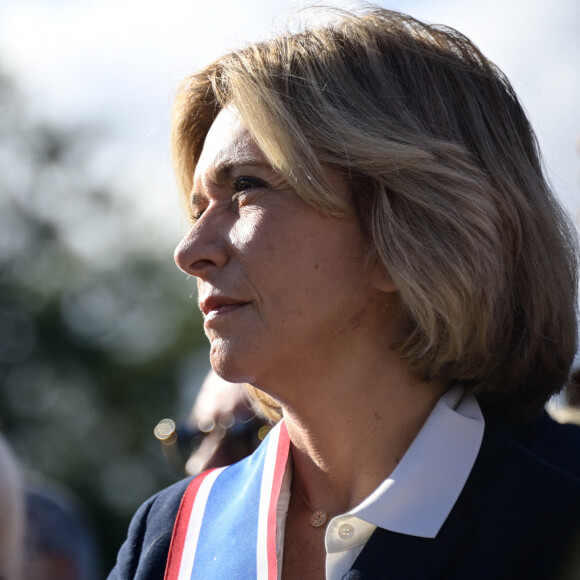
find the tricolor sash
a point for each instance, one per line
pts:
(226, 524)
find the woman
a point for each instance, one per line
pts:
(379, 256)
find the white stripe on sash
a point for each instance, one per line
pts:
(262, 564)
(195, 521)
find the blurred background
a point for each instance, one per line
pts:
(100, 336)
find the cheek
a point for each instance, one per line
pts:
(248, 231)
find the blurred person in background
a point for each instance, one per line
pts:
(379, 256)
(223, 427)
(11, 515)
(59, 542)
(43, 534)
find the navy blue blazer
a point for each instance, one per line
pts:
(558, 444)
(517, 518)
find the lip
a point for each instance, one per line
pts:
(214, 306)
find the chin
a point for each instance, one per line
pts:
(230, 366)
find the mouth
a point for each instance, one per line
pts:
(215, 306)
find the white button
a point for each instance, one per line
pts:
(346, 531)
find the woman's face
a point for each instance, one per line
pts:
(284, 289)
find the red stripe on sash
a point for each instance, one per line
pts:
(181, 525)
(279, 470)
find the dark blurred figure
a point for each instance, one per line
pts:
(223, 428)
(11, 515)
(59, 543)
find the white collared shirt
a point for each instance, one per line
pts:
(417, 496)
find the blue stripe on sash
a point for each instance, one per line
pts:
(228, 538)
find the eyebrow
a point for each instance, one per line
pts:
(221, 172)
(196, 199)
(223, 168)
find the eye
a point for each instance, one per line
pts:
(197, 207)
(245, 184)
(195, 216)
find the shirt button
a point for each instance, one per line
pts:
(346, 531)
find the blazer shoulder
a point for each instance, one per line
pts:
(509, 470)
(143, 555)
(517, 517)
(557, 443)
(531, 464)
(525, 511)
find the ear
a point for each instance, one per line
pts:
(381, 277)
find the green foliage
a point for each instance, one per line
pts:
(95, 329)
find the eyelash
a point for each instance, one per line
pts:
(239, 185)
(252, 182)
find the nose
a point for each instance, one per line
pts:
(201, 250)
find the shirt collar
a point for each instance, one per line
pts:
(419, 494)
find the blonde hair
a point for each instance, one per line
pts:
(445, 178)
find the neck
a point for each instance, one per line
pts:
(346, 443)
(352, 409)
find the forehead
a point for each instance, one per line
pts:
(227, 143)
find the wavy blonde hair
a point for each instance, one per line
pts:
(446, 182)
